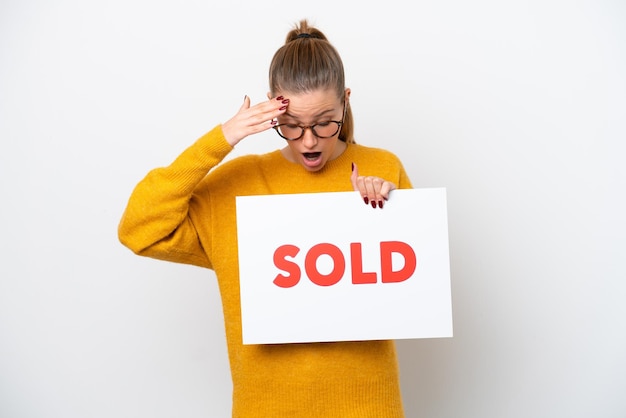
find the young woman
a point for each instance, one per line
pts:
(185, 213)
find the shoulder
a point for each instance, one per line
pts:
(380, 154)
(379, 162)
(240, 170)
(245, 162)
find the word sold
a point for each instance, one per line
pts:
(293, 272)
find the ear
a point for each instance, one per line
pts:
(347, 94)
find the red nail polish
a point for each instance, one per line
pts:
(380, 204)
(366, 200)
(285, 101)
(279, 98)
(374, 204)
(273, 122)
(283, 108)
(352, 166)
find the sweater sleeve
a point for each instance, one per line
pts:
(156, 222)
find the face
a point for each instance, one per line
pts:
(306, 109)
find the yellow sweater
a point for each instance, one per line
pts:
(182, 214)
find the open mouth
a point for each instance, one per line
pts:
(311, 156)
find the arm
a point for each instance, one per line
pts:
(156, 222)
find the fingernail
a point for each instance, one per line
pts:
(283, 108)
(374, 204)
(352, 166)
(273, 122)
(366, 200)
(279, 98)
(245, 97)
(285, 101)
(380, 204)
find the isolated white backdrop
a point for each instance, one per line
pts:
(517, 108)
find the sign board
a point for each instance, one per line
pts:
(326, 267)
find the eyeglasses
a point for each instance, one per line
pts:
(293, 132)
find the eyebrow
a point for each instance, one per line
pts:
(322, 113)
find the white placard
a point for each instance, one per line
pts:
(326, 267)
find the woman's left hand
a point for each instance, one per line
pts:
(374, 190)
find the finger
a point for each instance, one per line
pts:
(384, 191)
(266, 111)
(386, 188)
(366, 189)
(262, 116)
(358, 183)
(251, 119)
(246, 103)
(353, 177)
(372, 187)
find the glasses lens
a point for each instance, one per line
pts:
(326, 129)
(289, 131)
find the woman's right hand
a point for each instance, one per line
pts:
(252, 120)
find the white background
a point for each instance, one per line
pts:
(517, 108)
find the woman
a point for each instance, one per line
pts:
(185, 213)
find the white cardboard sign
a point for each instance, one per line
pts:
(326, 267)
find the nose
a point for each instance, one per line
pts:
(309, 139)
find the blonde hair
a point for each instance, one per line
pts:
(308, 62)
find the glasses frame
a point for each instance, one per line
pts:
(312, 127)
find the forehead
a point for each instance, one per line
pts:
(311, 104)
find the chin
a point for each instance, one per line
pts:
(313, 169)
